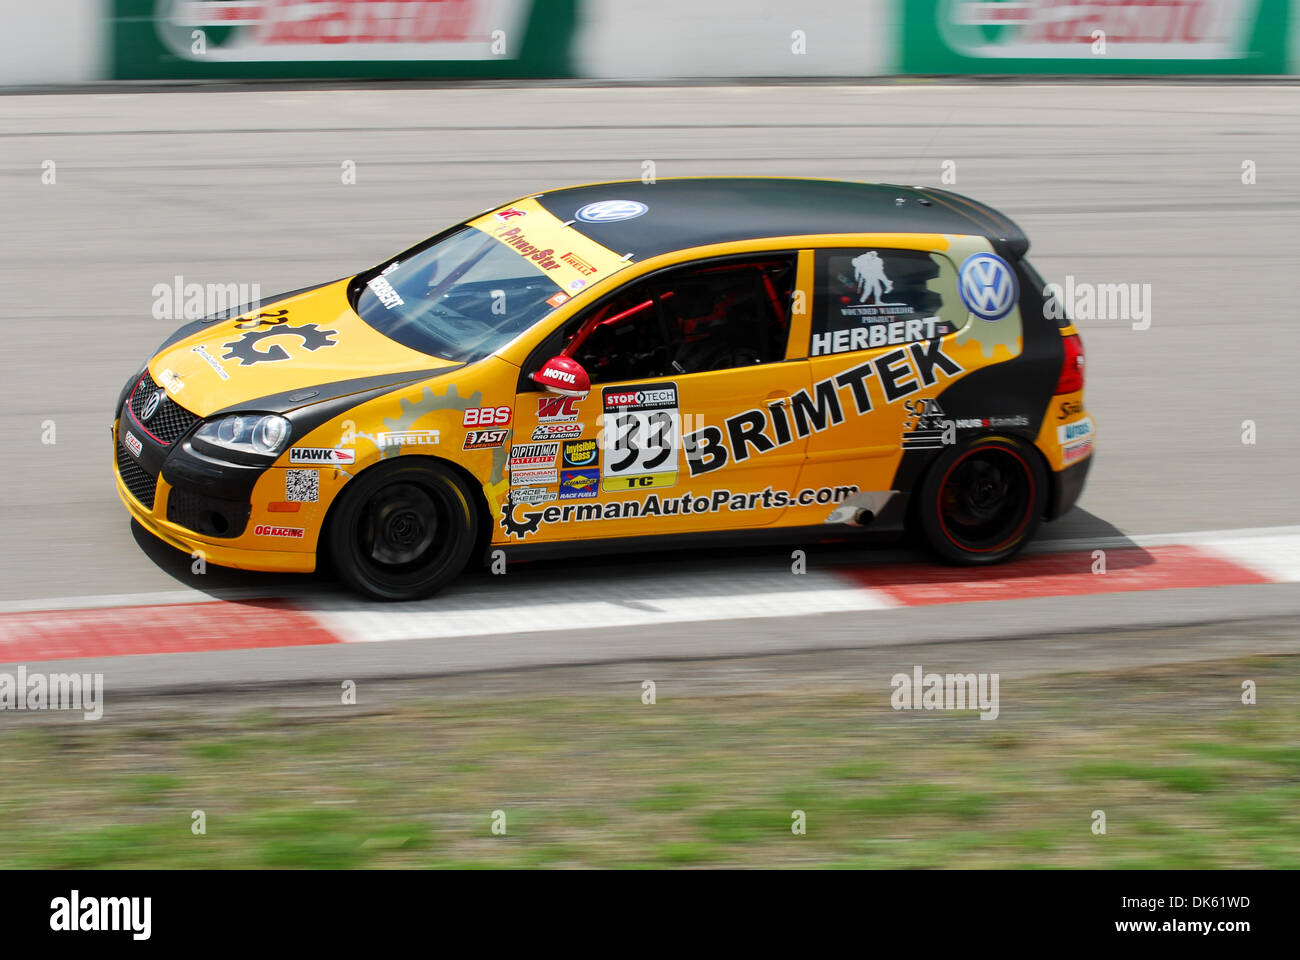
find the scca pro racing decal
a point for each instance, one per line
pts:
(893, 375)
(246, 351)
(520, 523)
(641, 427)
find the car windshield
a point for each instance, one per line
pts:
(461, 297)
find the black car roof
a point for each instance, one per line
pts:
(692, 212)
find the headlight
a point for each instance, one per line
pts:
(256, 433)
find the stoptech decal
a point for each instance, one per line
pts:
(321, 455)
(890, 377)
(641, 427)
(520, 523)
(662, 396)
(132, 443)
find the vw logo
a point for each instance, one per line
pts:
(608, 211)
(988, 286)
(152, 404)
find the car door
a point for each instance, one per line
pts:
(687, 425)
(880, 345)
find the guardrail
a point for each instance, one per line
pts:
(70, 41)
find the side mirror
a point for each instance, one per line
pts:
(563, 375)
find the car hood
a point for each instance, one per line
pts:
(310, 340)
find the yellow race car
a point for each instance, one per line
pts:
(619, 366)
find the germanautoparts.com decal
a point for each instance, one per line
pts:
(518, 522)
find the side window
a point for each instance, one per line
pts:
(710, 316)
(623, 338)
(869, 298)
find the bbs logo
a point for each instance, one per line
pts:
(486, 417)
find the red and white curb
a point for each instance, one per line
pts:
(189, 621)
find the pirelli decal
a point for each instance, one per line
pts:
(888, 378)
(565, 254)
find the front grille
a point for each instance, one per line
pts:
(207, 515)
(136, 478)
(170, 421)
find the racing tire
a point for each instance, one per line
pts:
(981, 502)
(403, 530)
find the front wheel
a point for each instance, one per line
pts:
(981, 502)
(402, 531)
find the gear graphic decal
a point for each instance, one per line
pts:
(245, 348)
(990, 336)
(413, 410)
(519, 528)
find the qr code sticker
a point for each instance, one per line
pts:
(301, 486)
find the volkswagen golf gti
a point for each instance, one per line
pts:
(623, 366)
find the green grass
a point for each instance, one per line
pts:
(1187, 778)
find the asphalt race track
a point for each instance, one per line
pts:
(1113, 184)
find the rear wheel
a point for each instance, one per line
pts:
(981, 502)
(402, 531)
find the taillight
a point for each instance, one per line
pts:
(1072, 369)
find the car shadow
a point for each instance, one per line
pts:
(1077, 531)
